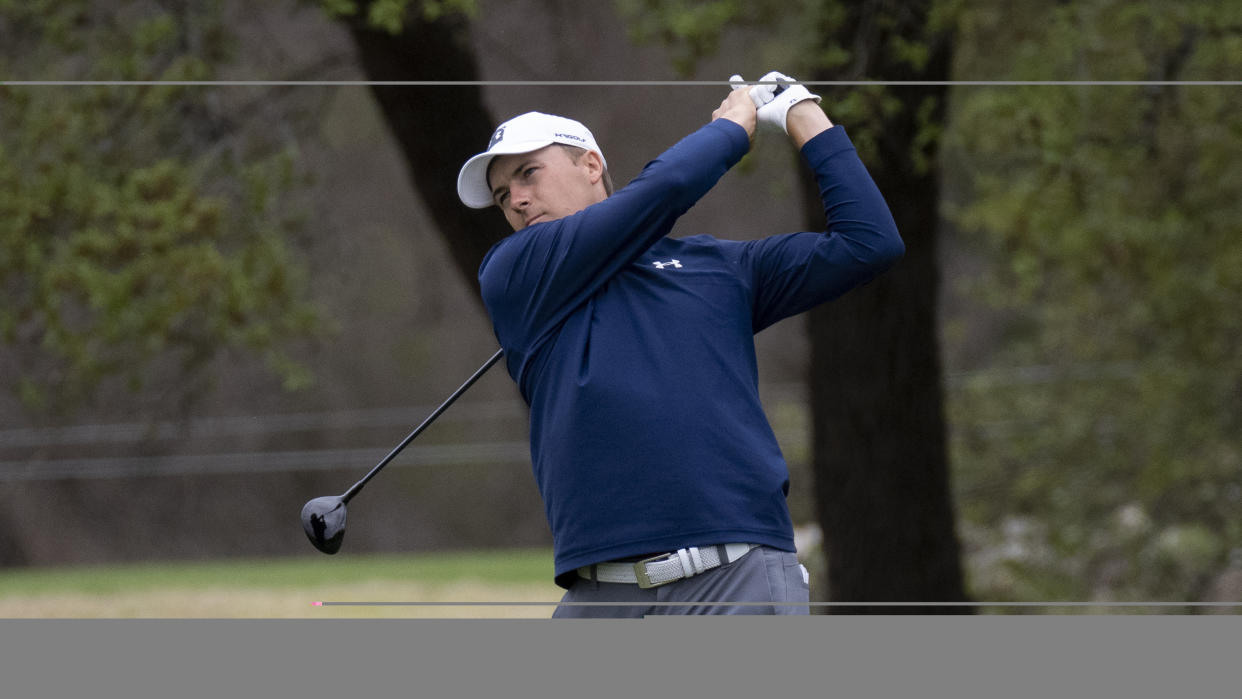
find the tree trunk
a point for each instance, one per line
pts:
(881, 467)
(438, 127)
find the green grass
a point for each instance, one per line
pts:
(521, 566)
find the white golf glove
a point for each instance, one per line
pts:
(759, 94)
(773, 101)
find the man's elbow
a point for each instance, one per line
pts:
(677, 184)
(891, 249)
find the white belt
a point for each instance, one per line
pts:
(667, 567)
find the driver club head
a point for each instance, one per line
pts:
(324, 521)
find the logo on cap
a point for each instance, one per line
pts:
(500, 133)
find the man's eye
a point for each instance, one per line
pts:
(527, 171)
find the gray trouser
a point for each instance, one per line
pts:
(770, 581)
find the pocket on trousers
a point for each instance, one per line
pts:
(797, 581)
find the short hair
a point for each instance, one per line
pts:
(575, 153)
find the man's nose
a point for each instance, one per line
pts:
(519, 199)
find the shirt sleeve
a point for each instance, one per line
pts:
(533, 279)
(795, 272)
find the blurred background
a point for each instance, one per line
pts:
(222, 300)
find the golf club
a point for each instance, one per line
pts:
(323, 518)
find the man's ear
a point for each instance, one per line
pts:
(594, 165)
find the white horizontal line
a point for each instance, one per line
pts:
(259, 462)
(812, 604)
(225, 426)
(604, 83)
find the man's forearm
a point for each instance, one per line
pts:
(806, 121)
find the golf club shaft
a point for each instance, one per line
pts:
(430, 418)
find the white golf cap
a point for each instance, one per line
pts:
(521, 134)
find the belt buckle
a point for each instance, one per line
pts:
(640, 571)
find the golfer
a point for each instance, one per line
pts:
(662, 481)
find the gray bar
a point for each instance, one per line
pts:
(607, 83)
(857, 657)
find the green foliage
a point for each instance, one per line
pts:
(809, 40)
(137, 228)
(389, 15)
(1110, 214)
(692, 30)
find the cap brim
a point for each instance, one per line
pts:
(472, 187)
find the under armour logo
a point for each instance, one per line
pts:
(671, 263)
(500, 133)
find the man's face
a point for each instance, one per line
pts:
(544, 185)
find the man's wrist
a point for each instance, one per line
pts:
(805, 121)
(739, 138)
(746, 125)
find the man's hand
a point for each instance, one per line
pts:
(786, 105)
(759, 94)
(738, 107)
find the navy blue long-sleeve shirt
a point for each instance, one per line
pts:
(635, 351)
